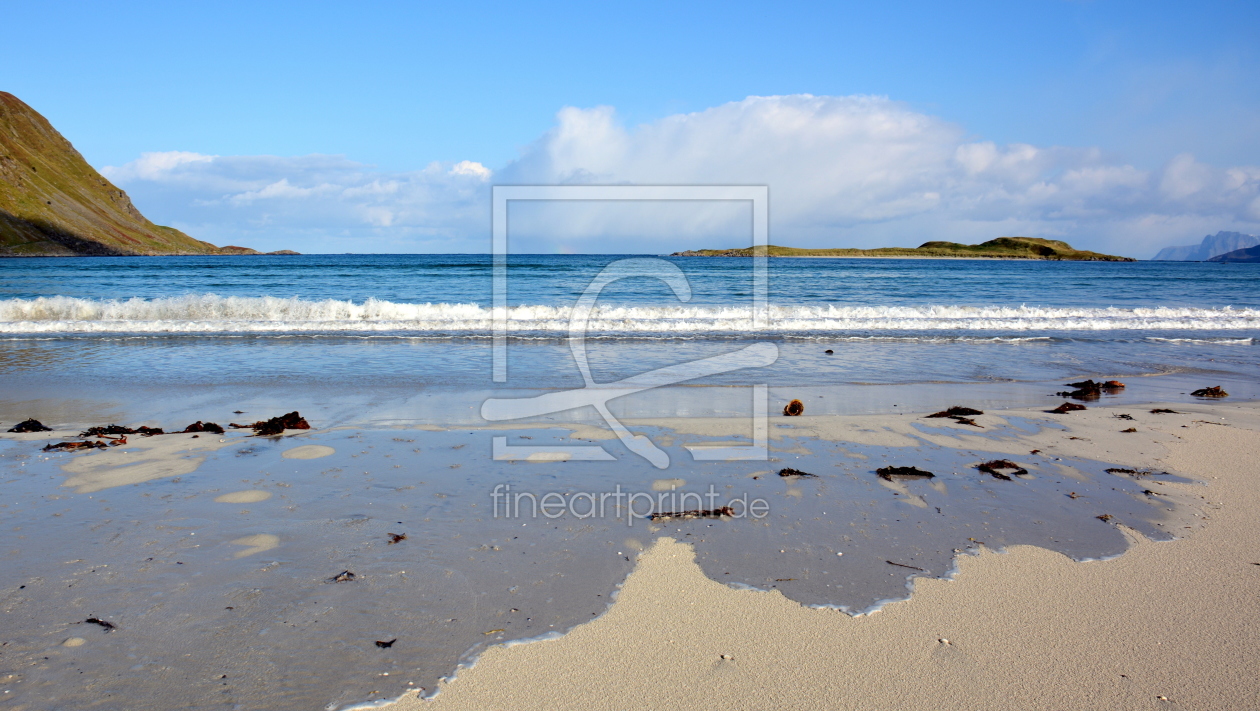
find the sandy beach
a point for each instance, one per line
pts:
(1167, 625)
(226, 553)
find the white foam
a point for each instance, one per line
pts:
(209, 313)
(1214, 341)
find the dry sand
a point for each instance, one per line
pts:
(1165, 626)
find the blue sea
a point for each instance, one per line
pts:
(425, 320)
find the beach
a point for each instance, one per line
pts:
(1031, 625)
(1167, 625)
(430, 534)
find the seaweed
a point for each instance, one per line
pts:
(276, 425)
(957, 411)
(30, 425)
(960, 414)
(693, 513)
(903, 472)
(109, 626)
(75, 446)
(995, 467)
(1090, 390)
(200, 426)
(1214, 391)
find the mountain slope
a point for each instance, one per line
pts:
(1249, 255)
(1211, 246)
(53, 203)
(1000, 248)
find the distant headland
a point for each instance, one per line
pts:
(1000, 248)
(53, 204)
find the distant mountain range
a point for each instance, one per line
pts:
(1211, 246)
(1000, 248)
(52, 203)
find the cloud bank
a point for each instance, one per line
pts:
(843, 171)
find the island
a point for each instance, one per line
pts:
(1000, 248)
(1250, 255)
(54, 204)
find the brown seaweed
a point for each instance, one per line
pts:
(109, 626)
(903, 473)
(200, 426)
(957, 411)
(30, 425)
(74, 446)
(1214, 391)
(276, 425)
(1090, 390)
(693, 513)
(995, 467)
(120, 430)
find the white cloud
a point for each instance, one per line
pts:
(310, 203)
(468, 167)
(857, 170)
(154, 166)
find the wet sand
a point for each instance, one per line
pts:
(236, 537)
(1167, 625)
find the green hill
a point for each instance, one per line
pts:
(52, 203)
(1000, 248)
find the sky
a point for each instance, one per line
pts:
(329, 127)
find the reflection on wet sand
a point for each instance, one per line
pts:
(376, 535)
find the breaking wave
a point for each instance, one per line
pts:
(212, 314)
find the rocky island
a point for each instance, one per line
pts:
(53, 204)
(1000, 248)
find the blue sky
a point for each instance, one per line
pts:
(400, 88)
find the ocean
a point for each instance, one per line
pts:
(401, 535)
(425, 320)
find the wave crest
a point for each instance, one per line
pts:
(209, 313)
